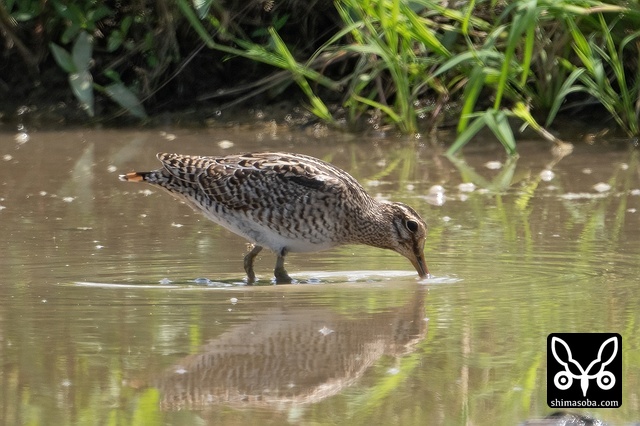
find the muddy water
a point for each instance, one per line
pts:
(102, 320)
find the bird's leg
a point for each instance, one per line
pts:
(248, 263)
(281, 274)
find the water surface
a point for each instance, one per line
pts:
(102, 320)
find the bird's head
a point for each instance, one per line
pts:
(408, 235)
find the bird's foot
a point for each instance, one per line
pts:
(248, 264)
(282, 277)
(280, 273)
(251, 277)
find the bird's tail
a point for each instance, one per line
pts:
(136, 176)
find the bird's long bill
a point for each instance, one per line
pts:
(419, 263)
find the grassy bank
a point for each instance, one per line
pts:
(408, 65)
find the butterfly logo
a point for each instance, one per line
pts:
(564, 379)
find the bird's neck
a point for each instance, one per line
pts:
(373, 225)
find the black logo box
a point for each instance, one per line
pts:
(584, 370)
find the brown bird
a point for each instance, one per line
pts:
(288, 203)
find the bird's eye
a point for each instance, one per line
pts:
(412, 225)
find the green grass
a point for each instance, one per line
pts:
(408, 65)
(602, 71)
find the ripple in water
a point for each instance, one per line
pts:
(303, 278)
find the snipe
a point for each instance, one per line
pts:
(288, 203)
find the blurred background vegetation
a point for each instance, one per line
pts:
(410, 66)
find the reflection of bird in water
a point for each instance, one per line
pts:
(288, 203)
(565, 418)
(289, 357)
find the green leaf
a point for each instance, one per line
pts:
(566, 88)
(280, 21)
(422, 33)
(384, 108)
(23, 17)
(126, 99)
(202, 7)
(63, 10)
(82, 50)
(525, 18)
(117, 37)
(115, 40)
(82, 86)
(112, 74)
(471, 93)
(521, 111)
(188, 13)
(70, 33)
(528, 53)
(298, 72)
(99, 13)
(498, 122)
(75, 14)
(470, 56)
(62, 57)
(464, 137)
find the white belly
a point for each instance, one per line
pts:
(267, 237)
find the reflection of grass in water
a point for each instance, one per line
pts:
(487, 363)
(590, 213)
(499, 348)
